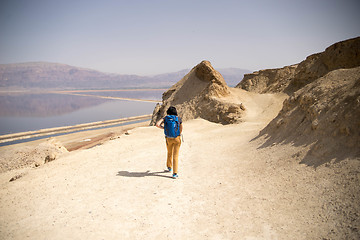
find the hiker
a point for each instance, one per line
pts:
(172, 125)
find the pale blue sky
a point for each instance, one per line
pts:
(154, 36)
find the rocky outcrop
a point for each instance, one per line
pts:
(199, 94)
(324, 114)
(345, 54)
(29, 156)
(323, 108)
(341, 55)
(269, 80)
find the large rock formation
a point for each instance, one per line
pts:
(344, 54)
(323, 109)
(199, 94)
(324, 113)
(269, 80)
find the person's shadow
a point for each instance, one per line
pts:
(142, 174)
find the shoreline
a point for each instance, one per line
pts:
(82, 137)
(20, 156)
(90, 138)
(106, 97)
(8, 138)
(43, 133)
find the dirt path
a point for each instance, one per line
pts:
(228, 188)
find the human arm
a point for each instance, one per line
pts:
(160, 124)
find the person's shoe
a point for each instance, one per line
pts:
(175, 175)
(169, 169)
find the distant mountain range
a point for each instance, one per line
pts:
(44, 75)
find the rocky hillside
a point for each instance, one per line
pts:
(42, 75)
(341, 55)
(322, 111)
(200, 94)
(324, 114)
(323, 108)
(344, 54)
(269, 80)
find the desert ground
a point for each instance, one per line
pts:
(230, 186)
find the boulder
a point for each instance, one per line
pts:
(50, 157)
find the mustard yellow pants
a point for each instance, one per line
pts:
(173, 147)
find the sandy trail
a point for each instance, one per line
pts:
(228, 188)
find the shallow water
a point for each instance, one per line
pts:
(138, 94)
(28, 112)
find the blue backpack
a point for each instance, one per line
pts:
(171, 126)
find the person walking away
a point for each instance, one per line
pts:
(172, 125)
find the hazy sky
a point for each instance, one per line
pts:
(154, 36)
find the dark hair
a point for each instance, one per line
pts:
(171, 111)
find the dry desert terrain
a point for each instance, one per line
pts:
(230, 187)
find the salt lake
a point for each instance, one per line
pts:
(21, 112)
